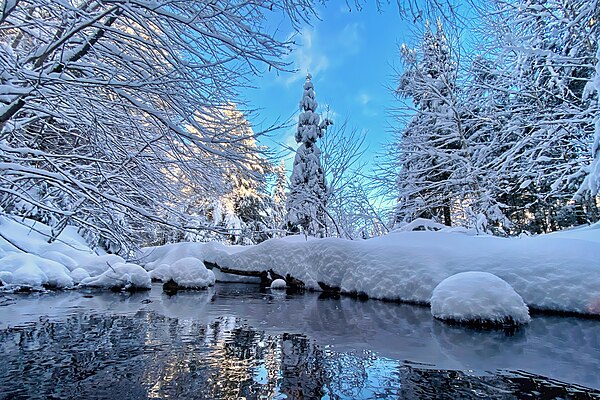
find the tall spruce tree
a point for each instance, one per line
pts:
(306, 200)
(432, 160)
(279, 196)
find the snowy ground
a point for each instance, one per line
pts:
(559, 271)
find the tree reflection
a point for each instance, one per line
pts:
(148, 355)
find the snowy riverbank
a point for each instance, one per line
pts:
(558, 272)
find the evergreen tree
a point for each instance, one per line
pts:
(279, 196)
(539, 112)
(306, 200)
(432, 160)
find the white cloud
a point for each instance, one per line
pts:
(350, 38)
(363, 98)
(314, 51)
(309, 56)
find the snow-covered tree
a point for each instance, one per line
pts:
(306, 200)
(431, 149)
(591, 182)
(98, 99)
(239, 211)
(279, 196)
(539, 111)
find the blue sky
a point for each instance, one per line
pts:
(351, 55)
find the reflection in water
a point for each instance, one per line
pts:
(194, 346)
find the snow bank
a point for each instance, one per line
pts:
(549, 272)
(478, 297)
(158, 259)
(28, 260)
(30, 270)
(121, 276)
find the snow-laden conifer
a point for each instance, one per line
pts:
(306, 200)
(431, 149)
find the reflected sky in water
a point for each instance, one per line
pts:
(234, 341)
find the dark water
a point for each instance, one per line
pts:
(235, 342)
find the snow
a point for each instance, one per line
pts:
(121, 275)
(96, 265)
(161, 273)
(480, 297)
(190, 273)
(278, 284)
(79, 274)
(28, 275)
(34, 271)
(28, 260)
(550, 272)
(153, 257)
(159, 259)
(558, 271)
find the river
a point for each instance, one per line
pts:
(238, 341)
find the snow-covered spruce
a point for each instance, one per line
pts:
(278, 284)
(306, 200)
(478, 298)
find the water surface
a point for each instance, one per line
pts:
(234, 341)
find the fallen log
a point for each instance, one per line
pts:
(266, 276)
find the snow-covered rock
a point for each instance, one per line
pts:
(278, 284)
(79, 274)
(478, 297)
(190, 273)
(161, 273)
(123, 276)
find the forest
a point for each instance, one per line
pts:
(123, 118)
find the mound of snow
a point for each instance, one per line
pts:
(97, 265)
(6, 277)
(278, 284)
(60, 258)
(79, 274)
(35, 271)
(153, 257)
(29, 275)
(161, 273)
(190, 273)
(121, 276)
(478, 297)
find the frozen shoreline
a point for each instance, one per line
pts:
(554, 272)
